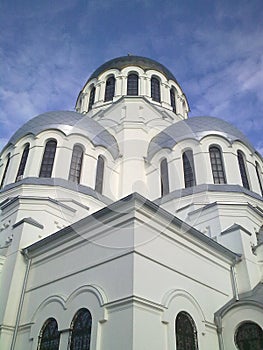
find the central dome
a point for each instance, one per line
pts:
(125, 61)
(133, 76)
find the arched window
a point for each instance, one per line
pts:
(22, 164)
(99, 174)
(217, 165)
(76, 164)
(260, 235)
(164, 177)
(5, 171)
(172, 98)
(185, 332)
(110, 89)
(132, 85)
(91, 98)
(188, 165)
(81, 330)
(242, 169)
(258, 170)
(249, 336)
(49, 336)
(81, 98)
(48, 159)
(155, 89)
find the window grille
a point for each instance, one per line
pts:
(185, 331)
(249, 336)
(110, 89)
(22, 164)
(164, 177)
(217, 165)
(155, 89)
(76, 164)
(91, 98)
(132, 85)
(5, 171)
(242, 169)
(172, 98)
(99, 174)
(49, 336)
(81, 330)
(48, 159)
(188, 165)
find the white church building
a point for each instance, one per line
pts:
(126, 225)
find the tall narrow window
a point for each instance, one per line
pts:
(81, 330)
(110, 89)
(188, 164)
(48, 159)
(242, 169)
(5, 171)
(81, 97)
(185, 332)
(100, 174)
(155, 89)
(217, 165)
(22, 164)
(249, 336)
(76, 164)
(49, 336)
(164, 177)
(132, 85)
(172, 98)
(258, 171)
(91, 98)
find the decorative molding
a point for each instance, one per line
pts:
(29, 221)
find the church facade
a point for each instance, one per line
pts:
(127, 225)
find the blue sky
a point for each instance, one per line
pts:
(48, 49)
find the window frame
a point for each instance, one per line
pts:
(110, 88)
(246, 323)
(100, 174)
(23, 161)
(188, 168)
(83, 330)
(243, 169)
(155, 89)
(5, 170)
(164, 177)
(91, 97)
(259, 176)
(217, 165)
(76, 164)
(132, 84)
(173, 98)
(192, 324)
(44, 327)
(48, 159)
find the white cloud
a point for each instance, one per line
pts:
(214, 52)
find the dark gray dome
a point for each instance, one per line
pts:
(195, 128)
(125, 61)
(69, 123)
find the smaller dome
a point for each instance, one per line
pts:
(69, 123)
(195, 128)
(125, 61)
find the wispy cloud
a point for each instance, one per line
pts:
(214, 49)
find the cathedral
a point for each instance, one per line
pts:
(127, 225)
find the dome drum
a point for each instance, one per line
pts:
(93, 95)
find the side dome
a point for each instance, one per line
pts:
(130, 60)
(195, 128)
(68, 122)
